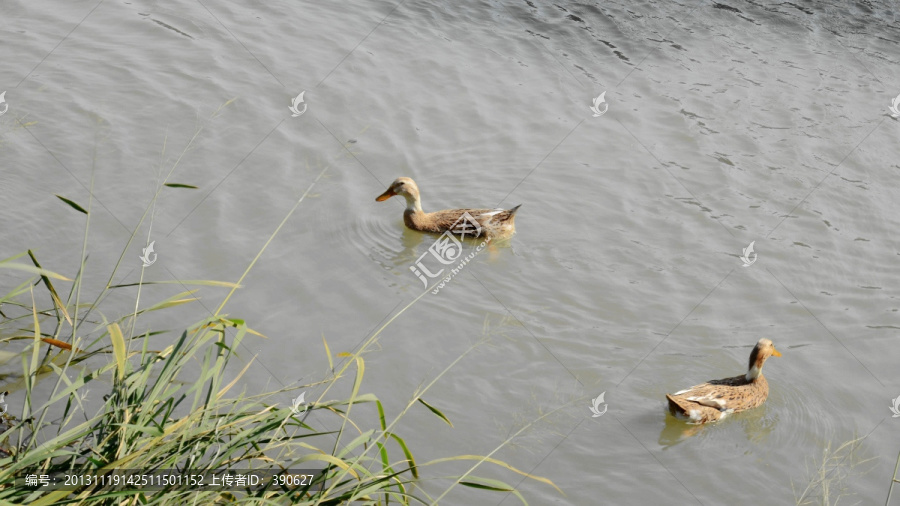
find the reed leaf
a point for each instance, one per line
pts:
(33, 270)
(72, 204)
(118, 344)
(436, 411)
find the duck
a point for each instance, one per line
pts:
(716, 399)
(490, 223)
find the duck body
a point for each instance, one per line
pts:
(716, 399)
(493, 222)
(489, 223)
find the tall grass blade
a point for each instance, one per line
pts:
(328, 354)
(487, 484)
(893, 480)
(73, 205)
(202, 282)
(119, 350)
(436, 411)
(409, 456)
(55, 296)
(34, 270)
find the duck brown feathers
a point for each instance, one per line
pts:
(714, 400)
(490, 223)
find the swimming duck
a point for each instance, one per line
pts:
(717, 399)
(491, 223)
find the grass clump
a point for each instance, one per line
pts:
(827, 483)
(150, 420)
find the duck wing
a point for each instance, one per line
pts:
(457, 221)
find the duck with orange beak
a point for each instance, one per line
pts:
(716, 399)
(492, 223)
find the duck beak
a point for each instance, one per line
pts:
(775, 353)
(384, 196)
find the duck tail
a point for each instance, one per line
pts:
(674, 406)
(512, 212)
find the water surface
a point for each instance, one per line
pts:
(726, 124)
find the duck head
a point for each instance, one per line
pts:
(763, 350)
(406, 188)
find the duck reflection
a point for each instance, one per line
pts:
(758, 425)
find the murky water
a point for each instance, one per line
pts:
(726, 124)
